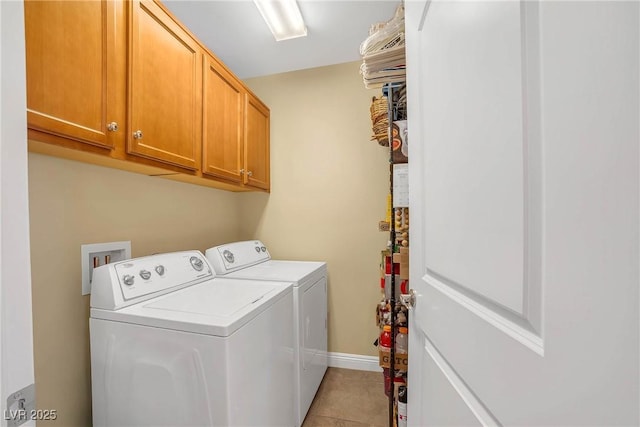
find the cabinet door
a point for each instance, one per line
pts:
(165, 88)
(75, 56)
(223, 111)
(256, 144)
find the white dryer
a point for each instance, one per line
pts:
(172, 346)
(251, 260)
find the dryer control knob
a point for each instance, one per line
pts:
(160, 269)
(145, 274)
(228, 255)
(196, 263)
(263, 249)
(128, 279)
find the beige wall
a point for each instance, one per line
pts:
(74, 203)
(329, 186)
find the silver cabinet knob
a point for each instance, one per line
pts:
(137, 134)
(241, 171)
(408, 300)
(112, 127)
(249, 173)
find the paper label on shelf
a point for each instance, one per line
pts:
(400, 141)
(401, 185)
(401, 360)
(404, 263)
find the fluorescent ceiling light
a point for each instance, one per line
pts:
(283, 18)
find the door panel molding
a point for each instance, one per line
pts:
(533, 165)
(524, 325)
(474, 157)
(499, 317)
(471, 400)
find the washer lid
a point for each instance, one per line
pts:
(215, 299)
(216, 307)
(289, 271)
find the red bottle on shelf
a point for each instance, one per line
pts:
(385, 339)
(384, 344)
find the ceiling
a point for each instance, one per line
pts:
(236, 33)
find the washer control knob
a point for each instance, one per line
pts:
(263, 249)
(228, 255)
(196, 263)
(128, 279)
(145, 274)
(160, 269)
(257, 248)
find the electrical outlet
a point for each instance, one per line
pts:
(21, 406)
(97, 254)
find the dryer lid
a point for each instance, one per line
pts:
(235, 256)
(288, 271)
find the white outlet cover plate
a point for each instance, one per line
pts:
(85, 250)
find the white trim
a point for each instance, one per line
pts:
(354, 361)
(3, 405)
(16, 333)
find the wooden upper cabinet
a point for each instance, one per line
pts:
(165, 89)
(75, 60)
(256, 144)
(124, 79)
(223, 112)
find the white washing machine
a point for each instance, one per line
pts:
(251, 260)
(172, 346)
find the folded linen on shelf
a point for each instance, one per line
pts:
(383, 52)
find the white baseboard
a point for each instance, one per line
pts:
(354, 361)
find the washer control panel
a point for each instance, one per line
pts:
(140, 277)
(235, 256)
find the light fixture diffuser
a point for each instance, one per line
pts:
(283, 18)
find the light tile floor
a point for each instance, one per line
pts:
(349, 398)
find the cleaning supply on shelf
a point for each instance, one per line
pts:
(402, 341)
(402, 349)
(384, 345)
(402, 406)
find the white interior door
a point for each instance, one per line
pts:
(524, 127)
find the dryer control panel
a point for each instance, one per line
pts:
(126, 282)
(234, 256)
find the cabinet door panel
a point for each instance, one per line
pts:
(75, 74)
(256, 150)
(165, 88)
(223, 125)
